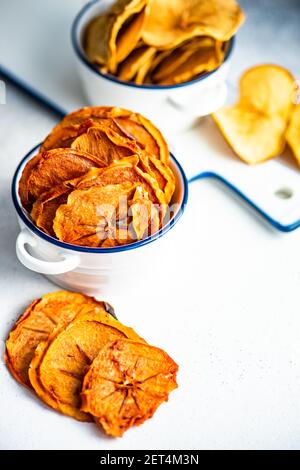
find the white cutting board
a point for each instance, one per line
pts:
(35, 49)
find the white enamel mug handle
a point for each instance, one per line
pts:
(67, 263)
(202, 102)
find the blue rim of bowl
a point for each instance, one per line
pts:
(67, 246)
(111, 78)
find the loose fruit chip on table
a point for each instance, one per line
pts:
(60, 363)
(37, 323)
(71, 349)
(255, 126)
(126, 383)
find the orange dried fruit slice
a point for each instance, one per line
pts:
(37, 323)
(126, 383)
(105, 144)
(172, 22)
(44, 209)
(63, 135)
(255, 126)
(126, 170)
(92, 215)
(60, 363)
(48, 169)
(132, 125)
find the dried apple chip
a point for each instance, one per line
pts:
(48, 169)
(96, 38)
(57, 370)
(109, 38)
(253, 137)
(196, 63)
(126, 383)
(168, 61)
(129, 35)
(267, 88)
(293, 133)
(38, 322)
(131, 66)
(171, 22)
(120, 43)
(255, 126)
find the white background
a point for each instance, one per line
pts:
(224, 301)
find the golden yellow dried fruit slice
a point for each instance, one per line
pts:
(96, 38)
(195, 63)
(268, 89)
(126, 383)
(57, 370)
(254, 138)
(124, 11)
(172, 22)
(255, 126)
(168, 61)
(137, 59)
(129, 35)
(110, 37)
(48, 169)
(38, 322)
(293, 133)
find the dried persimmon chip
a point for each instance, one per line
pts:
(126, 383)
(49, 169)
(92, 215)
(44, 208)
(105, 144)
(57, 370)
(37, 323)
(130, 124)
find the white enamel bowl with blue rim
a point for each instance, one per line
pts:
(98, 271)
(171, 108)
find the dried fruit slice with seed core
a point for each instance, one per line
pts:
(126, 383)
(37, 323)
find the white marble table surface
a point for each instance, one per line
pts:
(226, 303)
